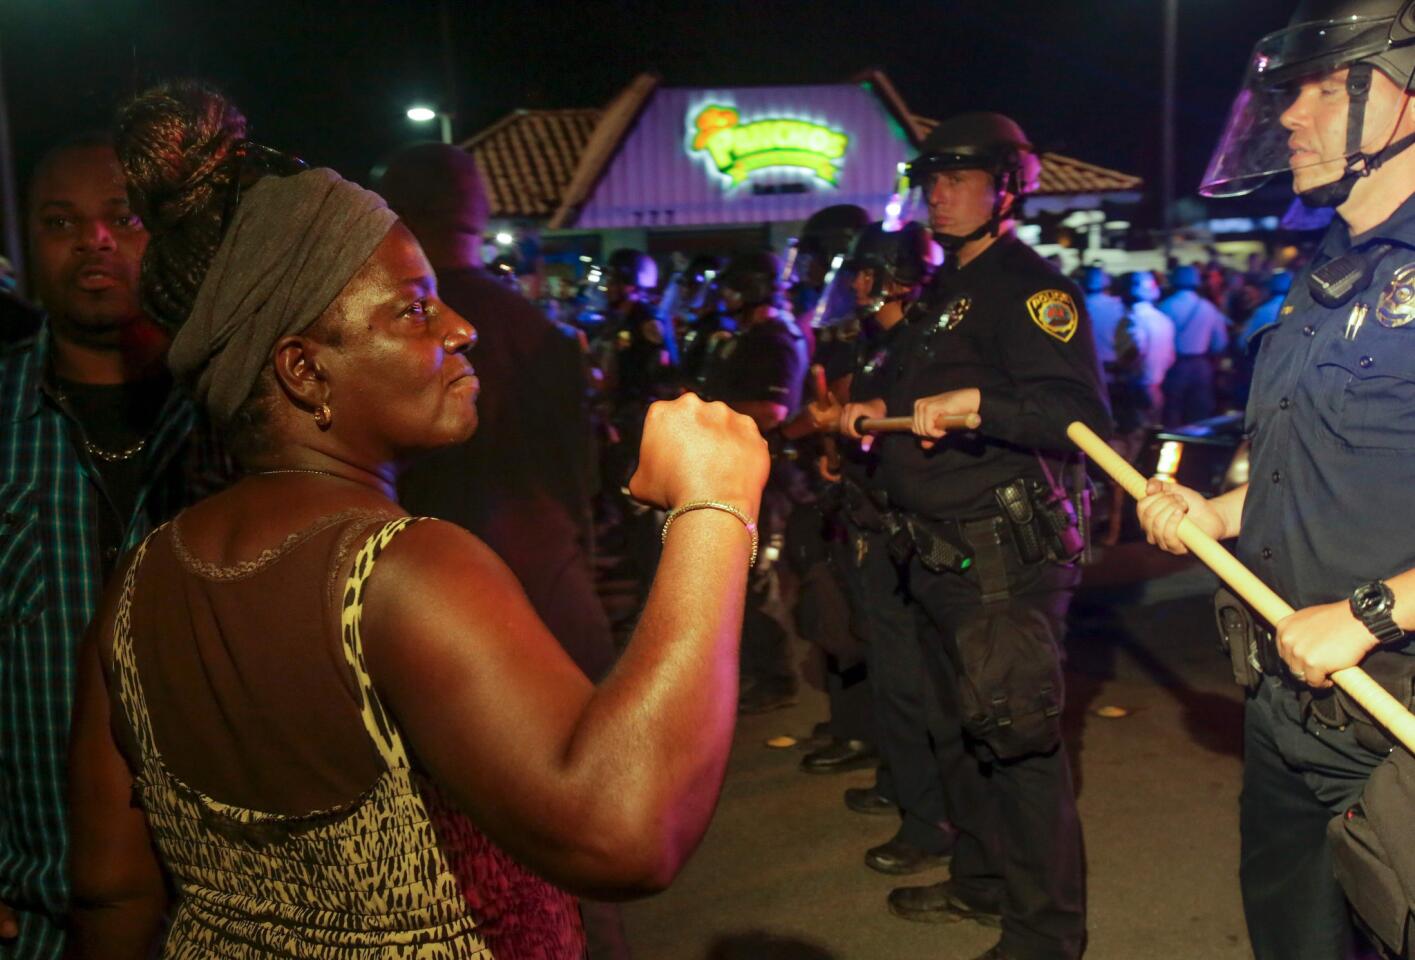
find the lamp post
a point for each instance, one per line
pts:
(1171, 43)
(422, 114)
(9, 208)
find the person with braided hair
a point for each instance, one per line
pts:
(342, 731)
(95, 450)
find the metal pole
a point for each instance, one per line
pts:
(1171, 30)
(9, 206)
(449, 74)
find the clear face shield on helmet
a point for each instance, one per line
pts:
(1255, 145)
(803, 266)
(837, 297)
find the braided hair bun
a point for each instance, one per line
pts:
(176, 142)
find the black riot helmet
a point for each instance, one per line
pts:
(979, 141)
(1323, 36)
(904, 256)
(828, 232)
(750, 280)
(633, 268)
(701, 269)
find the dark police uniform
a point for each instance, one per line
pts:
(904, 706)
(643, 356)
(1332, 421)
(997, 590)
(765, 361)
(697, 345)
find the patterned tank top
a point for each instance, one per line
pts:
(396, 873)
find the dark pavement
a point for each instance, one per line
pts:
(780, 873)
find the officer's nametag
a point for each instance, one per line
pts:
(1397, 306)
(1055, 312)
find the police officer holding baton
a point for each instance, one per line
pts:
(987, 538)
(1333, 454)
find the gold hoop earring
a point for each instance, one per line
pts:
(323, 416)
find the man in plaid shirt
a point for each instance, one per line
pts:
(96, 448)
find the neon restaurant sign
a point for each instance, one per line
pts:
(737, 150)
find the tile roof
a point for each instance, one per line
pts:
(1065, 176)
(529, 157)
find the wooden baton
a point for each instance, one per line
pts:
(1373, 698)
(952, 421)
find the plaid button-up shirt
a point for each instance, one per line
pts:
(51, 578)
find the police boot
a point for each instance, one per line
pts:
(900, 858)
(940, 903)
(839, 756)
(869, 800)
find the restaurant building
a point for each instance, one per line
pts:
(717, 169)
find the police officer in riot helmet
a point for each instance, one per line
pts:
(699, 314)
(1328, 99)
(826, 237)
(759, 371)
(639, 342)
(986, 536)
(890, 265)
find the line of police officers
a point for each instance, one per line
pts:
(958, 548)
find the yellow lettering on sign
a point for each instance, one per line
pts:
(738, 149)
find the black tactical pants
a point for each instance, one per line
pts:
(766, 652)
(1296, 777)
(905, 706)
(1019, 837)
(847, 680)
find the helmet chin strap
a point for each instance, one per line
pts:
(992, 227)
(1358, 163)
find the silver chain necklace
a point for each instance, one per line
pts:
(93, 449)
(323, 473)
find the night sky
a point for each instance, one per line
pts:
(331, 80)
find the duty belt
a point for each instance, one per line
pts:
(939, 545)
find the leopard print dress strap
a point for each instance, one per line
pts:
(125, 669)
(380, 728)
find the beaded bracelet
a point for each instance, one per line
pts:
(747, 521)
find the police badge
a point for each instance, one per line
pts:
(1055, 312)
(956, 311)
(1397, 306)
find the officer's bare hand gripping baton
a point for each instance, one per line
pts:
(1373, 698)
(951, 421)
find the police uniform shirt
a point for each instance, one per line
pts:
(697, 343)
(643, 352)
(838, 343)
(1010, 325)
(871, 361)
(1331, 416)
(765, 361)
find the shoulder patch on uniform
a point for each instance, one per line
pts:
(1397, 305)
(1055, 312)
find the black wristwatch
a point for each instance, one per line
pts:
(1372, 604)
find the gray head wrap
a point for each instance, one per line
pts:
(288, 251)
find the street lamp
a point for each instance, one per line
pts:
(423, 114)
